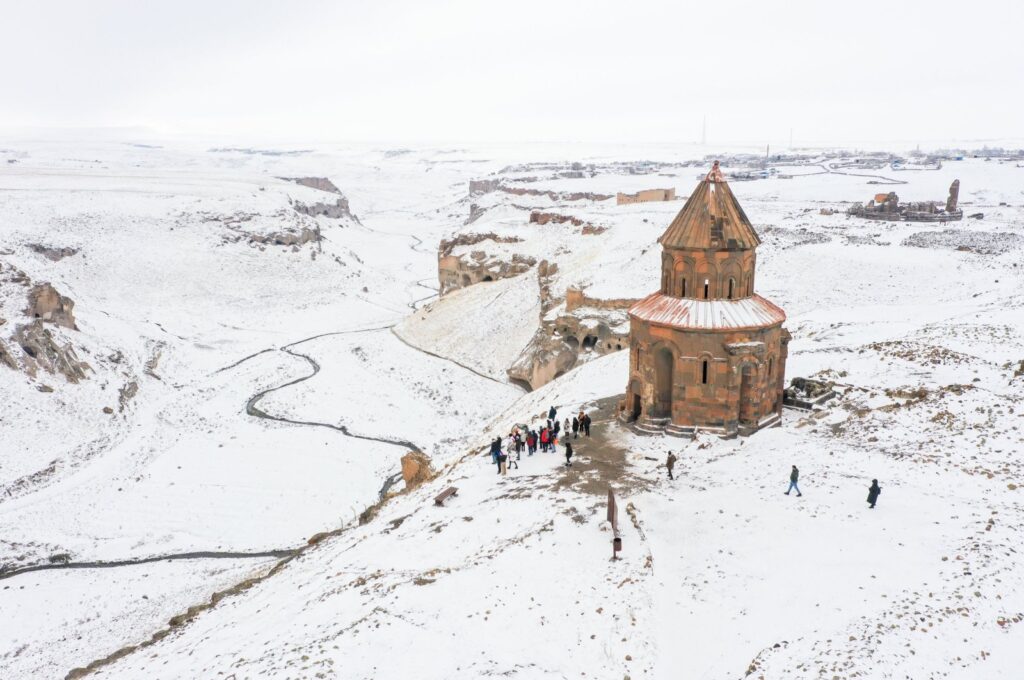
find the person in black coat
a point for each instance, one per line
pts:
(568, 454)
(586, 424)
(873, 492)
(575, 428)
(552, 412)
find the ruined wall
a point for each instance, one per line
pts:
(646, 196)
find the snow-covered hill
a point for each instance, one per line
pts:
(284, 360)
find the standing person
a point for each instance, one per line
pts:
(873, 492)
(531, 442)
(586, 424)
(793, 477)
(502, 464)
(557, 425)
(568, 426)
(670, 463)
(495, 449)
(512, 462)
(575, 427)
(552, 412)
(544, 439)
(568, 454)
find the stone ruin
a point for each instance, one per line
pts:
(887, 207)
(807, 393)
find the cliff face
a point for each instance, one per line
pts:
(458, 270)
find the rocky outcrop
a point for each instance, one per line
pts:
(416, 469)
(288, 238)
(46, 304)
(319, 183)
(51, 253)
(459, 271)
(43, 351)
(479, 187)
(538, 217)
(335, 211)
(543, 360)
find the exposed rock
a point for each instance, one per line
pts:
(126, 394)
(6, 358)
(288, 238)
(475, 213)
(478, 187)
(50, 253)
(42, 351)
(44, 388)
(416, 469)
(108, 410)
(981, 242)
(459, 271)
(46, 304)
(337, 210)
(321, 183)
(543, 360)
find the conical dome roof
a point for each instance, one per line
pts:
(711, 219)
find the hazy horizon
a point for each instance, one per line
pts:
(758, 73)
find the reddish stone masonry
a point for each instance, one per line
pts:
(705, 351)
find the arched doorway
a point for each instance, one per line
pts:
(634, 404)
(747, 414)
(663, 365)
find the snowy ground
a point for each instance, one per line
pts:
(721, 574)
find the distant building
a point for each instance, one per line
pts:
(706, 351)
(646, 196)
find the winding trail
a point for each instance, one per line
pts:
(109, 564)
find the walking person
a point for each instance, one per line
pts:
(568, 454)
(793, 477)
(670, 463)
(502, 464)
(575, 427)
(513, 462)
(495, 450)
(873, 491)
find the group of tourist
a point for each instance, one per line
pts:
(507, 454)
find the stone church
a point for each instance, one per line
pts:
(706, 351)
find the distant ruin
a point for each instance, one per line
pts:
(646, 196)
(887, 207)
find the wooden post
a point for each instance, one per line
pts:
(613, 519)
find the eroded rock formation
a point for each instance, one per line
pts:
(42, 350)
(46, 304)
(458, 271)
(416, 469)
(51, 253)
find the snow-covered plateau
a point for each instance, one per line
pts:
(213, 359)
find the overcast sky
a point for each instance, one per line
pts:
(524, 70)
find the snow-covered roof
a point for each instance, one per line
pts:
(751, 312)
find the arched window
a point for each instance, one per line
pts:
(707, 285)
(704, 372)
(732, 286)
